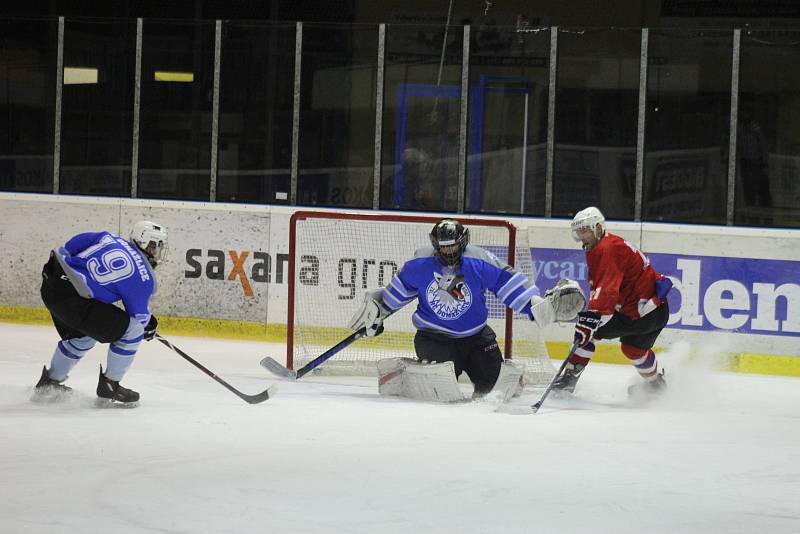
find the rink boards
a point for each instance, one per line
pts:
(737, 290)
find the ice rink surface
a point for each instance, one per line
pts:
(720, 453)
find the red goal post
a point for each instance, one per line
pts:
(334, 257)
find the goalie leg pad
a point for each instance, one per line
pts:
(433, 382)
(509, 382)
(390, 375)
(405, 377)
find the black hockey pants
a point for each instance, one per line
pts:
(75, 316)
(477, 355)
(641, 333)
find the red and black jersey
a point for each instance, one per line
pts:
(621, 279)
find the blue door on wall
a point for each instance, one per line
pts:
(427, 141)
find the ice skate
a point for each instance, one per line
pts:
(567, 381)
(49, 390)
(110, 391)
(650, 388)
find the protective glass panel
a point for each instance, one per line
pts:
(768, 145)
(97, 107)
(688, 125)
(28, 50)
(509, 71)
(175, 116)
(255, 112)
(337, 115)
(597, 105)
(422, 117)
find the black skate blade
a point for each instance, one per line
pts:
(112, 404)
(271, 365)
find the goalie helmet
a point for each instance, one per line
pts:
(449, 239)
(150, 238)
(588, 218)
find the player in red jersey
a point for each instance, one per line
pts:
(627, 301)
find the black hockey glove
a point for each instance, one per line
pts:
(587, 325)
(150, 329)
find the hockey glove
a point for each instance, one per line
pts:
(663, 285)
(370, 315)
(567, 299)
(150, 329)
(587, 325)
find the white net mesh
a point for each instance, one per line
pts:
(337, 259)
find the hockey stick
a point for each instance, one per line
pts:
(271, 365)
(538, 405)
(250, 399)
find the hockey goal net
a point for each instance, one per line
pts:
(334, 257)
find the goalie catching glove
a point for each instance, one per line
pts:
(561, 303)
(370, 315)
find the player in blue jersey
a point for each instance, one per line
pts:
(449, 280)
(80, 284)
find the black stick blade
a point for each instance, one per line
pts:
(260, 397)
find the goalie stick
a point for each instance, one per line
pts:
(250, 399)
(538, 404)
(271, 365)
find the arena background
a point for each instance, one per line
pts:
(679, 119)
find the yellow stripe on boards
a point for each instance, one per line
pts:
(604, 353)
(180, 326)
(764, 364)
(23, 315)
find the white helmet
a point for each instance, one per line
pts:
(588, 218)
(151, 238)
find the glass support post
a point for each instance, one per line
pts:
(640, 126)
(551, 121)
(298, 62)
(737, 42)
(379, 81)
(137, 93)
(59, 94)
(463, 126)
(215, 112)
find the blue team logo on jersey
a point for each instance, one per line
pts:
(448, 296)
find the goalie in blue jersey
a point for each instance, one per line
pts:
(449, 281)
(80, 284)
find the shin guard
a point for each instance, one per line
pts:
(122, 351)
(67, 355)
(643, 359)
